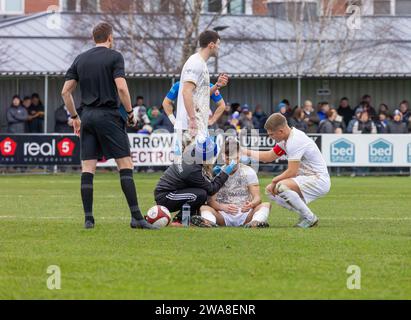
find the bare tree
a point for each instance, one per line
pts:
(160, 38)
(319, 42)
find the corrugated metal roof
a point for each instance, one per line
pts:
(252, 47)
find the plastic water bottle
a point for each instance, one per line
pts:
(186, 215)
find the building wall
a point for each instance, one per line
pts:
(260, 7)
(114, 5)
(33, 6)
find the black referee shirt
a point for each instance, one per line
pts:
(95, 70)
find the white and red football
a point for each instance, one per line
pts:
(159, 216)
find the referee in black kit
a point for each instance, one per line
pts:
(102, 130)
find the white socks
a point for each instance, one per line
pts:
(261, 215)
(208, 216)
(295, 201)
(281, 202)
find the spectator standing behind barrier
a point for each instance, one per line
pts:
(223, 121)
(282, 108)
(310, 117)
(16, 116)
(364, 125)
(36, 113)
(406, 114)
(345, 111)
(159, 121)
(383, 108)
(246, 119)
(26, 105)
(328, 125)
(235, 107)
(396, 125)
(234, 122)
(141, 118)
(324, 107)
(358, 112)
(259, 118)
(382, 122)
(64, 123)
(288, 110)
(139, 102)
(366, 106)
(297, 120)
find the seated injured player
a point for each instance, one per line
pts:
(238, 203)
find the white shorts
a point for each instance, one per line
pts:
(235, 221)
(313, 187)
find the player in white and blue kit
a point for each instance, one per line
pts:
(215, 96)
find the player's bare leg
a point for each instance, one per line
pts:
(125, 167)
(209, 218)
(258, 218)
(87, 178)
(290, 192)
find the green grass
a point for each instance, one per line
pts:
(364, 222)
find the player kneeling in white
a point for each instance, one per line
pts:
(306, 178)
(238, 203)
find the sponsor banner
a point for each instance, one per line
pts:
(264, 142)
(382, 150)
(156, 149)
(39, 150)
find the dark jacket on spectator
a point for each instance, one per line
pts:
(347, 114)
(62, 118)
(396, 127)
(364, 127)
(406, 117)
(298, 124)
(246, 123)
(371, 111)
(259, 120)
(381, 126)
(162, 122)
(312, 123)
(326, 126)
(36, 125)
(16, 119)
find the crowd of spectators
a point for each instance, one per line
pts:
(362, 119)
(27, 116)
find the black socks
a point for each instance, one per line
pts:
(129, 190)
(87, 194)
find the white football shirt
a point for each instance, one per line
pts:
(300, 147)
(235, 190)
(195, 70)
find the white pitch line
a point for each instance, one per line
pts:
(57, 218)
(126, 218)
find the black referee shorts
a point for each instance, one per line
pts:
(103, 134)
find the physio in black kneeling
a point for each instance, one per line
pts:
(190, 181)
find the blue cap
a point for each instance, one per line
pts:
(280, 106)
(206, 149)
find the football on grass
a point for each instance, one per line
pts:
(159, 216)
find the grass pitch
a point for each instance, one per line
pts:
(364, 222)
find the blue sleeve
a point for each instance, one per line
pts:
(173, 93)
(216, 97)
